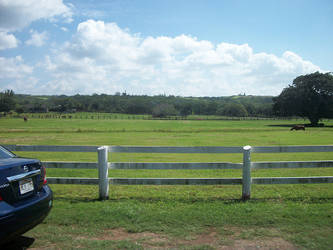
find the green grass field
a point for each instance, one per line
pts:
(182, 217)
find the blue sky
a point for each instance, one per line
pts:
(187, 48)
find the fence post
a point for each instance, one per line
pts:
(103, 173)
(246, 191)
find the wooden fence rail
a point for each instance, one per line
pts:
(103, 165)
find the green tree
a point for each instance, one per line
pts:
(164, 110)
(308, 96)
(138, 105)
(185, 109)
(7, 101)
(233, 109)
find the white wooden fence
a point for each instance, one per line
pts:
(103, 165)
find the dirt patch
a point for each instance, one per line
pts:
(211, 238)
(121, 234)
(266, 244)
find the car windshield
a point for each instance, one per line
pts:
(4, 153)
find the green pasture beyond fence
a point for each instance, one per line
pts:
(104, 164)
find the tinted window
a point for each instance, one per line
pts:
(4, 153)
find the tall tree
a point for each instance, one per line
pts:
(308, 96)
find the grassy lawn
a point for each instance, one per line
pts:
(182, 217)
(169, 217)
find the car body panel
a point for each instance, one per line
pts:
(25, 199)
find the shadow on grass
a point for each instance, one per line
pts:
(18, 243)
(307, 125)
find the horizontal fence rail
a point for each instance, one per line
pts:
(103, 165)
(292, 164)
(73, 165)
(176, 150)
(293, 180)
(72, 180)
(193, 166)
(176, 181)
(220, 165)
(292, 149)
(174, 165)
(46, 148)
(191, 181)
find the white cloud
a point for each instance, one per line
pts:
(37, 39)
(28, 85)
(14, 68)
(16, 75)
(7, 41)
(103, 58)
(17, 14)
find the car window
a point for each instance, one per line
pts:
(4, 153)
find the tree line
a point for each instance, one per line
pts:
(157, 106)
(309, 96)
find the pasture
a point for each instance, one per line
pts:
(188, 217)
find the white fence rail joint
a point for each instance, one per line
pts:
(104, 164)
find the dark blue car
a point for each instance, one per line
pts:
(25, 198)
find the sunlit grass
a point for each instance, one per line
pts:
(301, 214)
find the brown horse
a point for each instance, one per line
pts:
(298, 127)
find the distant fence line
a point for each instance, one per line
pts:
(103, 165)
(114, 116)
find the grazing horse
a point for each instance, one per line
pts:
(25, 118)
(298, 127)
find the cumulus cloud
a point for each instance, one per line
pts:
(15, 15)
(104, 58)
(37, 39)
(15, 74)
(7, 41)
(14, 67)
